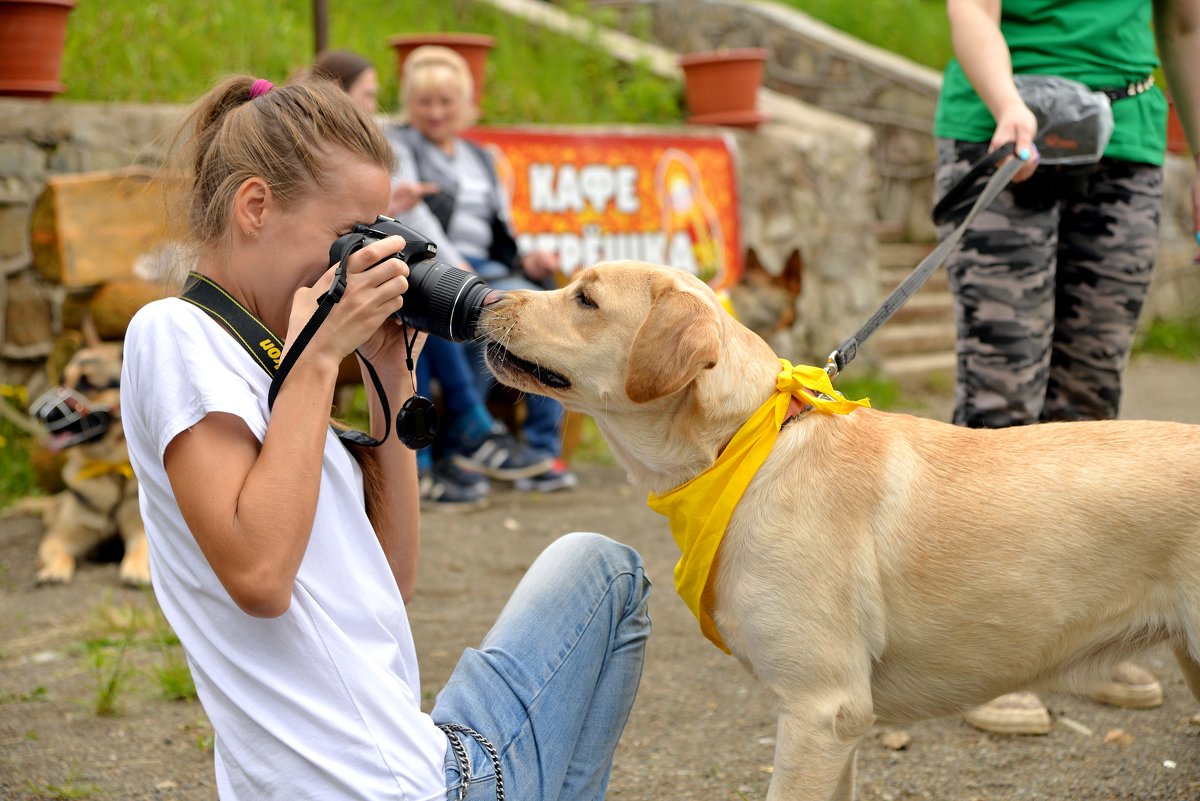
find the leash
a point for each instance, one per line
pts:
(846, 352)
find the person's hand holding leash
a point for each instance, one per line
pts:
(985, 59)
(1017, 124)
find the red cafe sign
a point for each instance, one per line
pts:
(592, 197)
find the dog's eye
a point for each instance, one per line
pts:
(584, 300)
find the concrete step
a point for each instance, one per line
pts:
(916, 346)
(910, 339)
(924, 370)
(892, 277)
(926, 307)
(903, 254)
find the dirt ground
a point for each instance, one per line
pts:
(700, 729)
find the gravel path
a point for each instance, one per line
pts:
(701, 728)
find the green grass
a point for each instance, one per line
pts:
(72, 787)
(1179, 339)
(132, 50)
(915, 29)
(119, 633)
(881, 391)
(17, 477)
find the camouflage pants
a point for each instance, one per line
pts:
(1048, 283)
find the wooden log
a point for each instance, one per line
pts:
(113, 305)
(89, 228)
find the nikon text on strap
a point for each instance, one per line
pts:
(417, 418)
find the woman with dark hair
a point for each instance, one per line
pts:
(353, 73)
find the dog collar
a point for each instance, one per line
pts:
(699, 510)
(102, 468)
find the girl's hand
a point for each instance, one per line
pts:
(373, 292)
(386, 350)
(1017, 124)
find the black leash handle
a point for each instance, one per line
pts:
(958, 195)
(846, 352)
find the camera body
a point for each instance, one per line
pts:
(442, 300)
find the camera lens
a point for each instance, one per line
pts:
(443, 300)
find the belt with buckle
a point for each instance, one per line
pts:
(1130, 90)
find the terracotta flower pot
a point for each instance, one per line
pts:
(32, 36)
(721, 87)
(1176, 138)
(473, 47)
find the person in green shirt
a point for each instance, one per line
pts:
(1050, 280)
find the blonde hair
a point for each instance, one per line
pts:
(434, 66)
(287, 136)
(290, 136)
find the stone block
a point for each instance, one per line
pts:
(28, 316)
(21, 158)
(14, 231)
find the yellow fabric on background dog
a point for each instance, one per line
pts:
(699, 511)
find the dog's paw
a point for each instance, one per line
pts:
(58, 571)
(135, 566)
(135, 574)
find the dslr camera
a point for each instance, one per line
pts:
(441, 300)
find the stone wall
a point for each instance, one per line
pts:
(813, 62)
(824, 67)
(39, 139)
(806, 187)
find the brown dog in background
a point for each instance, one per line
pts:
(879, 567)
(100, 499)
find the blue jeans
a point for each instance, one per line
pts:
(466, 417)
(543, 416)
(552, 683)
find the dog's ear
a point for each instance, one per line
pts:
(679, 338)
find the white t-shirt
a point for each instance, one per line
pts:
(322, 702)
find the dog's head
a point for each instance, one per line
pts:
(620, 333)
(646, 350)
(84, 408)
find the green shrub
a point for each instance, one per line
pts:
(17, 477)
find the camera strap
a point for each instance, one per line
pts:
(267, 349)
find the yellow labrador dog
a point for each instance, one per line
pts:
(879, 567)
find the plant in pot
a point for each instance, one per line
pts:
(473, 47)
(721, 86)
(33, 33)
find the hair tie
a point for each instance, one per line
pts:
(260, 87)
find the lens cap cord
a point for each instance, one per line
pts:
(417, 420)
(416, 423)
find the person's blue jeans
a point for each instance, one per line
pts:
(543, 416)
(553, 682)
(466, 419)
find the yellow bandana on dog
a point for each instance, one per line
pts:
(699, 511)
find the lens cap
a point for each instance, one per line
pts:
(417, 422)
